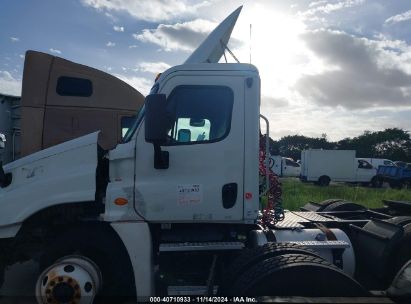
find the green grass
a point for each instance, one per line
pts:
(296, 194)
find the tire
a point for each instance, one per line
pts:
(251, 257)
(2, 273)
(400, 220)
(327, 202)
(376, 182)
(396, 185)
(101, 245)
(296, 275)
(400, 255)
(324, 181)
(343, 206)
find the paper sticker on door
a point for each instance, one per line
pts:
(189, 194)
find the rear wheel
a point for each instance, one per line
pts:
(2, 273)
(343, 206)
(401, 254)
(324, 181)
(327, 202)
(376, 182)
(256, 255)
(295, 275)
(396, 184)
(400, 220)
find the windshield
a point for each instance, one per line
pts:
(139, 117)
(136, 122)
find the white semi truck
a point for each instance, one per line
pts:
(175, 209)
(323, 166)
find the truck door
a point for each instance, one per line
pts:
(204, 180)
(365, 171)
(291, 168)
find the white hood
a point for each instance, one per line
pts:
(65, 173)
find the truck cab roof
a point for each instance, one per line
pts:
(229, 67)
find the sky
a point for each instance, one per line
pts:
(334, 67)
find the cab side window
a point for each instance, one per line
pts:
(200, 114)
(362, 164)
(291, 163)
(126, 124)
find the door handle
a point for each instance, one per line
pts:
(229, 195)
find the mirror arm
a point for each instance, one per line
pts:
(161, 158)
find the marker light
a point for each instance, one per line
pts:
(121, 201)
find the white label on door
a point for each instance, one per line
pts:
(189, 194)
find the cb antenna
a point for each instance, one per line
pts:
(250, 41)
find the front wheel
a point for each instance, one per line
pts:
(71, 279)
(84, 263)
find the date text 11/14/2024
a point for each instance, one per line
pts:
(202, 299)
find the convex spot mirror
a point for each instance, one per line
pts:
(2, 141)
(156, 120)
(197, 122)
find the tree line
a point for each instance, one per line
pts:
(393, 144)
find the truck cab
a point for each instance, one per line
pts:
(285, 166)
(376, 162)
(211, 148)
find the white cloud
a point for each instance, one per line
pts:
(149, 10)
(153, 67)
(399, 18)
(180, 36)
(110, 44)
(132, 46)
(274, 103)
(9, 85)
(141, 84)
(54, 51)
(118, 28)
(14, 39)
(22, 56)
(366, 75)
(318, 3)
(326, 8)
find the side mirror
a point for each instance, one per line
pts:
(156, 124)
(156, 119)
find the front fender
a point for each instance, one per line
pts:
(65, 173)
